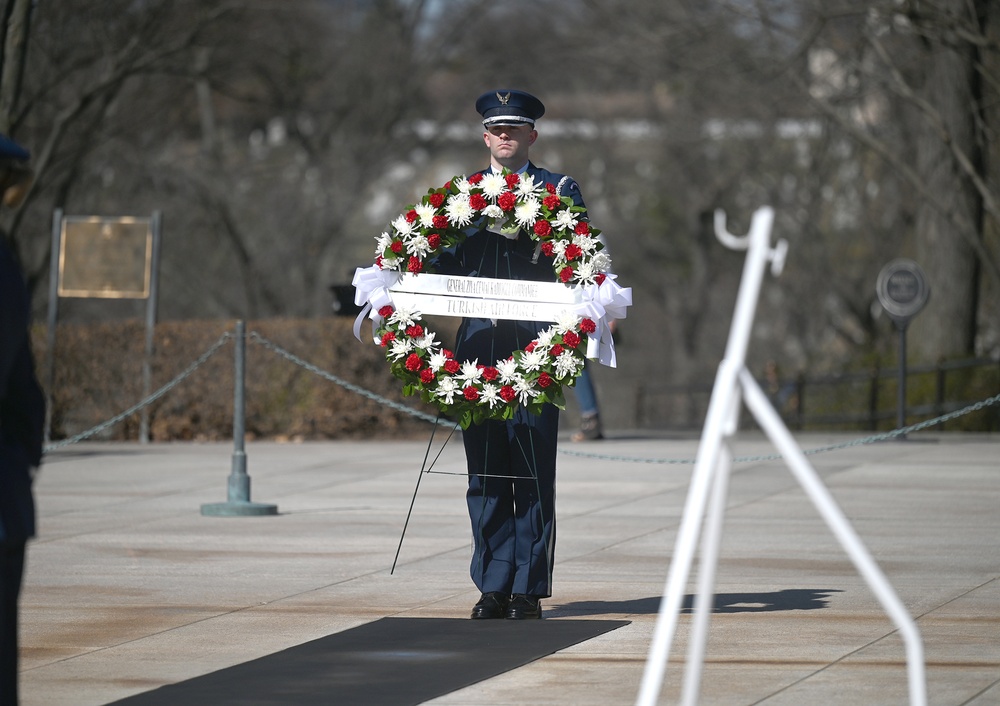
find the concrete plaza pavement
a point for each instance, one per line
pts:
(130, 587)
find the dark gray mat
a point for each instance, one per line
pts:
(390, 662)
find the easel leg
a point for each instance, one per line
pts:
(710, 450)
(803, 471)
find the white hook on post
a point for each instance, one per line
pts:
(762, 220)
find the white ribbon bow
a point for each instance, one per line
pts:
(371, 289)
(604, 303)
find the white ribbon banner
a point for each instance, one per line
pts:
(487, 298)
(484, 297)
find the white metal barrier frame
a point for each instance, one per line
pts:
(705, 504)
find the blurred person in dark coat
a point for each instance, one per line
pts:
(22, 417)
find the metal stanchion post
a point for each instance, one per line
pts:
(238, 502)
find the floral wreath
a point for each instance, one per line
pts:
(470, 391)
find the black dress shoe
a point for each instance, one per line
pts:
(524, 607)
(491, 605)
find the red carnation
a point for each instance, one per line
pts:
(475, 178)
(490, 373)
(599, 278)
(507, 201)
(452, 366)
(387, 338)
(427, 376)
(414, 265)
(551, 188)
(544, 380)
(573, 251)
(440, 221)
(556, 350)
(378, 262)
(386, 311)
(582, 228)
(447, 186)
(565, 275)
(478, 202)
(434, 241)
(531, 346)
(447, 353)
(512, 180)
(413, 362)
(436, 199)
(588, 326)
(571, 339)
(470, 393)
(548, 248)
(543, 228)
(396, 246)
(411, 216)
(507, 393)
(552, 202)
(415, 331)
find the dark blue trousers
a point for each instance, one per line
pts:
(511, 497)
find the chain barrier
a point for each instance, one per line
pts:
(424, 416)
(873, 439)
(629, 459)
(148, 400)
(275, 348)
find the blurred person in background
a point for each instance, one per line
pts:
(22, 417)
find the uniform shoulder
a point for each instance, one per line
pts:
(566, 184)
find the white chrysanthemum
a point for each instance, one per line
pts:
(462, 184)
(389, 263)
(404, 316)
(526, 212)
(470, 371)
(425, 214)
(403, 226)
(490, 395)
(382, 242)
(424, 342)
(545, 338)
(508, 371)
(565, 220)
(566, 364)
(585, 243)
(601, 261)
(437, 361)
(446, 389)
(418, 245)
(525, 391)
(566, 321)
(527, 185)
(559, 251)
(586, 271)
(494, 211)
(533, 360)
(493, 185)
(400, 348)
(458, 210)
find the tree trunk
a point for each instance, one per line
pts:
(15, 37)
(947, 327)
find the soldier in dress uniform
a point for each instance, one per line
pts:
(22, 417)
(511, 464)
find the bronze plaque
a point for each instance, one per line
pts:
(109, 258)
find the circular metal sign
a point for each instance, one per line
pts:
(902, 289)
